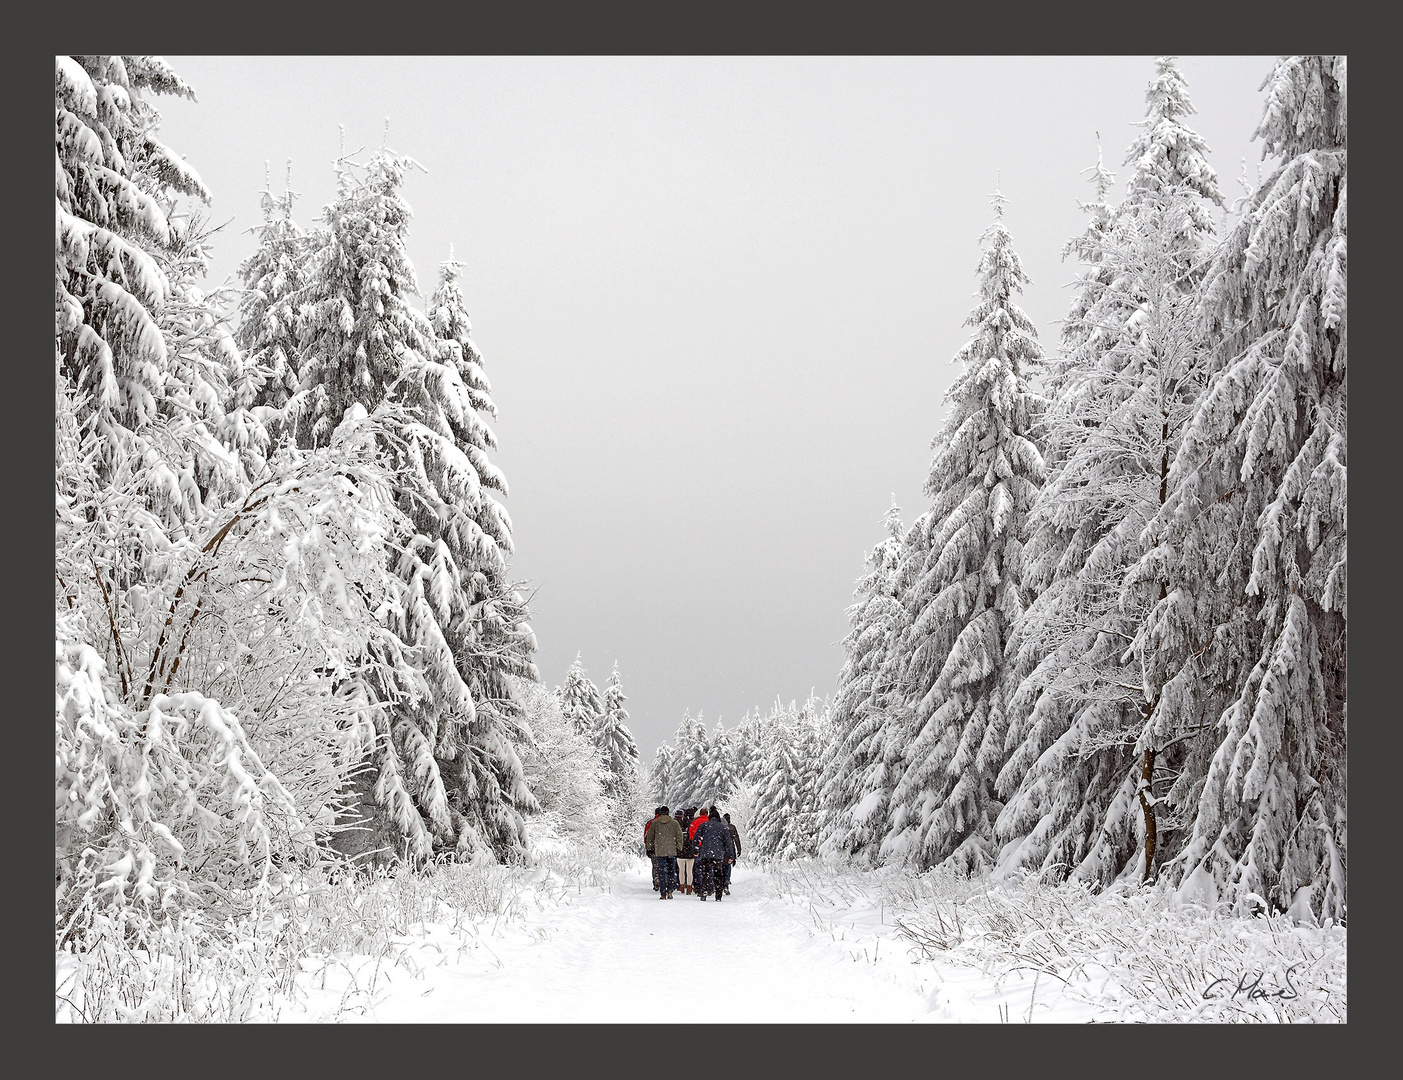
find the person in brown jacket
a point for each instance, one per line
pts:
(665, 837)
(648, 847)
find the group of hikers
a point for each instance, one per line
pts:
(692, 850)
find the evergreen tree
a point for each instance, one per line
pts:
(267, 333)
(463, 609)
(660, 780)
(356, 327)
(967, 591)
(619, 752)
(1131, 366)
(718, 770)
(689, 762)
(448, 770)
(580, 698)
(1252, 543)
(745, 743)
(784, 818)
(139, 346)
(854, 779)
(1169, 155)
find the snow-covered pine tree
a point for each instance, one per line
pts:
(966, 592)
(784, 817)
(448, 771)
(267, 332)
(581, 700)
(1131, 365)
(1036, 719)
(777, 794)
(463, 609)
(1252, 544)
(139, 345)
(622, 780)
(1170, 155)
(718, 770)
(355, 322)
(660, 782)
(854, 785)
(689, 762)
(815, 738)
(620, 750)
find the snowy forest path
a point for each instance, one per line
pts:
(610, 955)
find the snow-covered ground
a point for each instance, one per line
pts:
(609, 954)
(805, 945)
(581, 937)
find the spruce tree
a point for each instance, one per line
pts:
(621, 751)
(267, 333)
(718, 770)
(622, 782)
(854, 780)
(356, 326)
(660, 778)
(745, 743)
(448, 770)
(689, 762)
(777, 802)
(138, 344)
(784, 818)
(1081, 776)
(966, 592)
(1253, 542)
(581, 700)
(463, 610)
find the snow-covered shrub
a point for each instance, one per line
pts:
(117, 964)
(1137, 954)
(563, 767)
(212, 742)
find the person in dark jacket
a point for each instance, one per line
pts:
(686, 862)
(665, 836)
(714, 847)
(726, 868)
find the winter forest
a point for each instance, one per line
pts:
(1096, 681)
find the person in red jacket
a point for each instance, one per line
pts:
(698, 820)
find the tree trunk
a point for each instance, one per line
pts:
(1147, 774)
(1147, 763)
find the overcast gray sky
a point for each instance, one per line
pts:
(718, 300)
